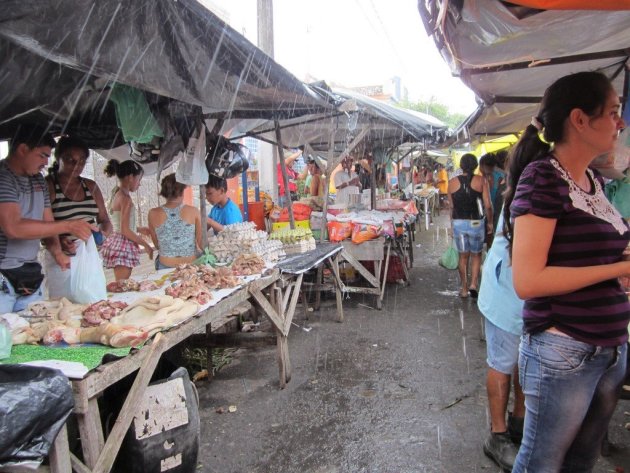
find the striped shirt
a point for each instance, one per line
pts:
(64, 208)
(588, 232)
(31, 194)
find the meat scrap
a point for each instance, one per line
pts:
(105, 334)
(101, 311)
(248, 264)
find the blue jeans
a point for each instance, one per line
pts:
(11, 302)
(571, 389)
(469, 235)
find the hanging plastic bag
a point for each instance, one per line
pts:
(87, 279)
(450, 258)
(191, 168)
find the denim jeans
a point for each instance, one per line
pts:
(571, 389)
(11, 302)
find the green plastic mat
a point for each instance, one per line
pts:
(90, 355)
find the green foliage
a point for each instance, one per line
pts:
(437, 110)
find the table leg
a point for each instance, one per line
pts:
(389, 249)
(91, 432)
(59, 455)
(318, 291)
(282, 344)
(427, 215)
(338, 294)
(209, 361)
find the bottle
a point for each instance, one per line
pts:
(5, 341)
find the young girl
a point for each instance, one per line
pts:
(121, 250)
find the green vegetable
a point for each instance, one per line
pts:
(206, 258)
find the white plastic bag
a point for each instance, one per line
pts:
(87, 279)
(191, 168)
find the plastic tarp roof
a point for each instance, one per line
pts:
(59, 58)
(388, 126)
(508, 55)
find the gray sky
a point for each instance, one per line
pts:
(355, 43)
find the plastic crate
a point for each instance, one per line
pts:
(285, 225)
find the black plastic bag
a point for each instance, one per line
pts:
(34, 405)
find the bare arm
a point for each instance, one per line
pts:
(534, 278)
(103, 217)
(485, 194)
(152, 218)
(216, 226)
(16, 227)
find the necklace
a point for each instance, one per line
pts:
(595, 203)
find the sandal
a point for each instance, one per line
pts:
(463, 294)
(474, 293)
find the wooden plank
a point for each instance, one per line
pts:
(268, 309)
(285, 176)
(59, 454)
(91, 432)
(125, 417)
(288, 315)
(338, 283)
(318, 285)
(371, 250)
(241, 339)
(77, 465)
(360, 268)
(284, 363)
(389, 249)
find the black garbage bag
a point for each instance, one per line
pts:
(34, 405)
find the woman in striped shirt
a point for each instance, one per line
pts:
(567, 243)
(72, 197)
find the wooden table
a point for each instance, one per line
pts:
(99, 453)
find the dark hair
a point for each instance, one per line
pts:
(124, 169)
(468, 164)
(217, 183)
(587, 91)
(64, 144)
(488, 159)
(170, 187)
(32, 136)
(500, 158)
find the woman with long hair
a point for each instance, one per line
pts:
(468, 196)
(175, 227)
(567, 243)
(121, 250)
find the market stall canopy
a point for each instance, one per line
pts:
(387, 126)
(60, 59)
(509, 54)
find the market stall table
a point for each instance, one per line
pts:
(99, 453)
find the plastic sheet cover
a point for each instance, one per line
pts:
(59, 60)
(503, 53)
(35, 405)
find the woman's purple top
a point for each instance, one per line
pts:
(589, 232)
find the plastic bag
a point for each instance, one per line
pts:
(35, 405)
(191, 168)
(618, 192)
(6, 341)
(87, 279)
(364, 232)
(450, 258)
(338, 231)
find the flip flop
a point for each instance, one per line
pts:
(474, 293)
(463, 295)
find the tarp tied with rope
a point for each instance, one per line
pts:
(509, 53)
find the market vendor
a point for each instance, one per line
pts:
(315, 185)
(26, 217)
(346, 181)
(293, 176)
(224, 211)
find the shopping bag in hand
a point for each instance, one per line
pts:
(87, 279)
(450, 258)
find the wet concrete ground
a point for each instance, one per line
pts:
(394, 391)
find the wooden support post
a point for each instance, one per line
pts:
(384, 283)
(59, 455)
(338, 287)
(91, 432)
(285, 177)
(129, 408)
(209, 360)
